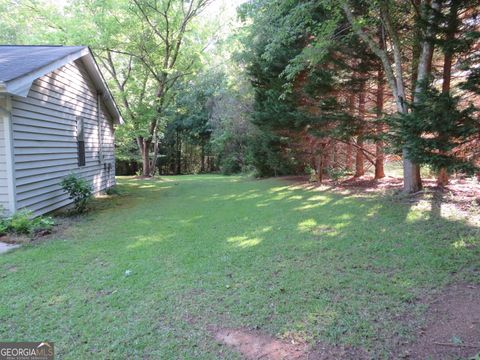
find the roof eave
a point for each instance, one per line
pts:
(21, 85)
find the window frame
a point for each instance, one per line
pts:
(81, 158)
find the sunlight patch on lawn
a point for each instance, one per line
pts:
(459, 244)
(57, 299)
(307, 225)
(244, 241)
(416, 214)
(248, 197)
(318, 198)
(374, 210)
(143, 241)
(278, 189)
(146, 186)
(308, 207)
(311, 226)
(262, 205)
(249, 241)
(314, 202)
(466, 243)
(295, 197)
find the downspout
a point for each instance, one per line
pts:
(99, 123)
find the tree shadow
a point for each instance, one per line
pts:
(311, 264)
(301, 264)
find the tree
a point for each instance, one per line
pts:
(160, 48)
(393, 68)
(145, 47)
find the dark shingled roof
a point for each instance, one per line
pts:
(16, 61)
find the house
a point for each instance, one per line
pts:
(57, 117)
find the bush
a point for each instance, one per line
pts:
(312, 174)
(43, 224)
(230, 165)
(3, 227)
(23, 222)
(336, 173)
(79, 190)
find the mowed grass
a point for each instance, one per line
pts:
(211, 251)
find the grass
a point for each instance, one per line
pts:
(213, 251)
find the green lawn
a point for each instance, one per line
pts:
(213, 251)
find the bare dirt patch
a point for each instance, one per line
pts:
(452, 327)
(14, 239)
(255, 345)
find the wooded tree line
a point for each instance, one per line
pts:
(340, 84)
(330, 87)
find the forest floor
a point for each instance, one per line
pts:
(210, 267)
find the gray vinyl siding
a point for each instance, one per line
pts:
(3, 169)
(45, 143)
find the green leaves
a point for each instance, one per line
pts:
(438, 131)
(79, 190)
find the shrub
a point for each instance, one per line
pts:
(336, 173)
(3, 227)
(43, 224)
(312, 174)
(23, 222)
(230, 165)
(79, 190)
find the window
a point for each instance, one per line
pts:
(80, 142)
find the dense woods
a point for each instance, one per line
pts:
(275, 87)
(344, 84)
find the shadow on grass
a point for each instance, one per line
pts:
(309, 265)
(304, 265)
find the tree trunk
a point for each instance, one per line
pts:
(202, 161)
(379, 156)
(334, 155)
(153, 166)
(351, 109)
(411, 171)
(178, 169)
(145, 149)
(412, 182)
(327, 156)
(320, 168)
(442, 177)
(349, 159)
(360, 158)
(394, 74)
